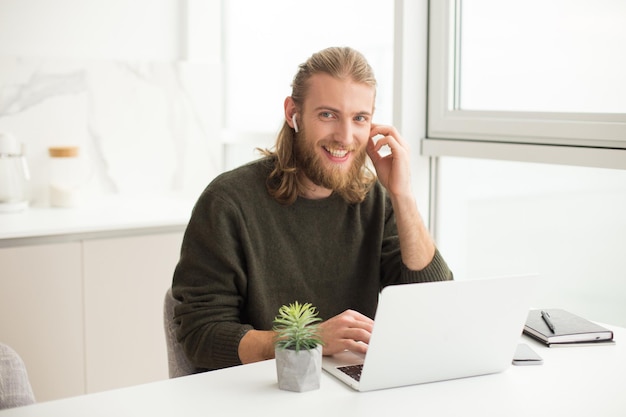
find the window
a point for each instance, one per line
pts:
(526, 74)
(565, 223)
(526, 82)
(546, 56)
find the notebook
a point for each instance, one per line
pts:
(569, 329)
(438, 331)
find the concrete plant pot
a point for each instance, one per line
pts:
(299, 371)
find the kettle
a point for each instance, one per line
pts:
(14, 175)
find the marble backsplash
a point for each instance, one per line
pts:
(143, 128)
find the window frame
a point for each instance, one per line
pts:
(588, 139)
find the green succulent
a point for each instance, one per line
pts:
(297, 327)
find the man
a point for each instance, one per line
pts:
(309, 222)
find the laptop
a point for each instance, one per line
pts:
(438, 331)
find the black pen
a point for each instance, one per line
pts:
(546, 317)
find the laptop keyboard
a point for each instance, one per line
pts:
(353, 371)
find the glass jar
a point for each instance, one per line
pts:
(65, 176)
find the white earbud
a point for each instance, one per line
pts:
(295, 124)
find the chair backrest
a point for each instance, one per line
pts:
(177, 362)
(15, 388)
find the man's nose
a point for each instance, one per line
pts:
(345, 132)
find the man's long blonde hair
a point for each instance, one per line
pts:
(283, 182)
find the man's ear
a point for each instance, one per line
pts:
(290, 111)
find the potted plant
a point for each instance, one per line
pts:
(298, 347)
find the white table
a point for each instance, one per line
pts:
(573, 381)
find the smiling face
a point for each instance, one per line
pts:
(335, 122)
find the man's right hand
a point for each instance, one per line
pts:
(349, 330)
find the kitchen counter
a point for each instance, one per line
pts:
(108, 217)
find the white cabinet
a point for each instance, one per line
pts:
(125, 283)
(41, 315)
(86, 316)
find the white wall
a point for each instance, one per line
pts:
(115, 78)
(92, 29)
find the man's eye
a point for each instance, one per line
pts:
(326, 114)
(361, 119)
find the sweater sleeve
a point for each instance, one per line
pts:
(436, 270)
(210, 282)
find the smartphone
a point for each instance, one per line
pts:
(524, 355)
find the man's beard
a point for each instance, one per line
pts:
(327, 175)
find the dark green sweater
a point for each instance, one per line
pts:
(244, 255)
